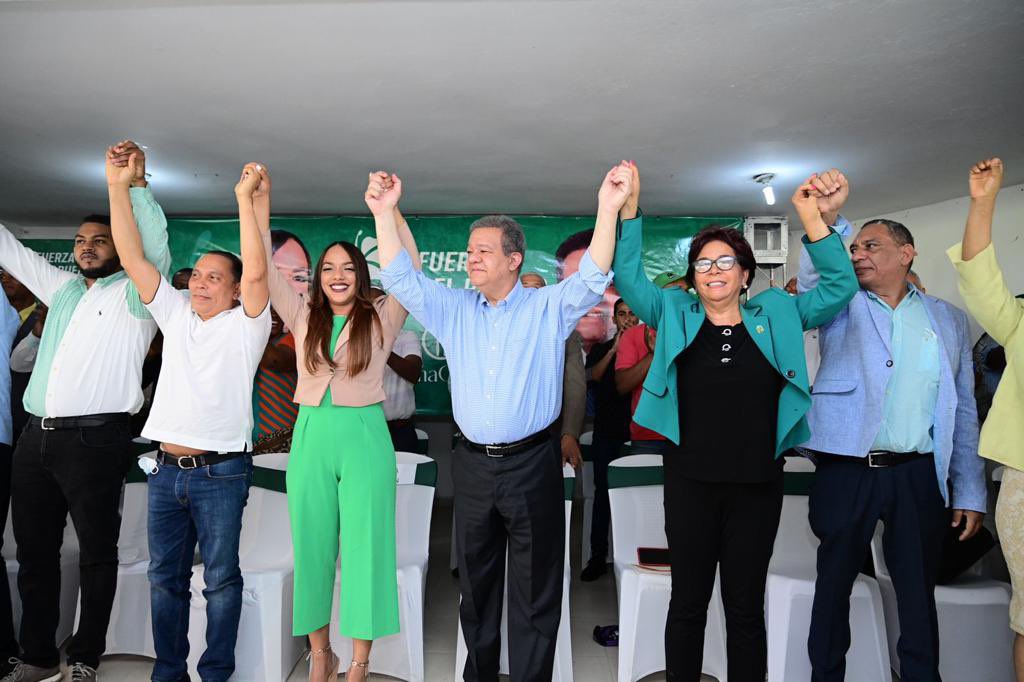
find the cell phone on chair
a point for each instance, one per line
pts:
(652, 556)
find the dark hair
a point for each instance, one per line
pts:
(363, 319)
(615, 306)
(729, 236)
(183, 271)
(574, 242)
(100, 218)
(898, 231)
(512, 238)
(236, 262)
(279, 238)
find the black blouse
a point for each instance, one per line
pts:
(728, 407)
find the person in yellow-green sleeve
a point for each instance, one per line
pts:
(1001, 315)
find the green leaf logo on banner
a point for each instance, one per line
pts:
(368, 245)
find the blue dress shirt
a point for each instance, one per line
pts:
(506, 360)
(913, 386)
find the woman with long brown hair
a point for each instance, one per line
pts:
(341, 472)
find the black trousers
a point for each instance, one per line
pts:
(514, 502)
(603, 451)
(80, 471)
(403, 436)
(847, 500)
(8, 644)
(729, 526)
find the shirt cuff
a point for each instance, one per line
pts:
(595, 280)
(983, 260)
(141, 194)
(398, 268)
(805, 240)
(843, 227)
(633, 223)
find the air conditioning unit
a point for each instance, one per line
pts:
(769, 237)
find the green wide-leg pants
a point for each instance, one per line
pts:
(341, 480)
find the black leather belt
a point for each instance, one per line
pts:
(879, 459)
(82, 422)
(508, 449)
(195, 461)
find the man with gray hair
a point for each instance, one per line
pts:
(505, 346)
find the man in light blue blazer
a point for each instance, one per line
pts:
(894, 430)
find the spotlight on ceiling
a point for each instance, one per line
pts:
(766, 180)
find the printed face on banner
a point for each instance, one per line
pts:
(598, 324)
(291, 261)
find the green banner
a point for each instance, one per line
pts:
(442, 244)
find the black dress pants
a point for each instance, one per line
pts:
(847, 500)
(602, 452)
(80, 471)
(403, 436)
(514, 503)
(731, 527)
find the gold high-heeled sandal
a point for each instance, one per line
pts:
(356, 664)
(333, 663)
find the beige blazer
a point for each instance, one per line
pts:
(367, 387)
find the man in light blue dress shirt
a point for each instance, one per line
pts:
(505, 347)
(894, 429)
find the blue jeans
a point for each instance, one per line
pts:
(186, 506)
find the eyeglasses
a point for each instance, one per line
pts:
(722, 262)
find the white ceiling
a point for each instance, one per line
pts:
(507, 105)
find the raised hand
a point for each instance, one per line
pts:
(985, 179)
(805, 200)
(120, 174)
(262, 190)
(249, 180)
(382, 192)
(832, 190)
(122, 151)
(632, 205)
(615, 189)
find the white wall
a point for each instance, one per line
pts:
(936, 227)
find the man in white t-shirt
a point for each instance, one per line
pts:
(401, 374)
(202, 416)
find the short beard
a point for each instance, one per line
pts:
(105, 269)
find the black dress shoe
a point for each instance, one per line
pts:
(594, 569)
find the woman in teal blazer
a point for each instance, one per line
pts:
(728, 386)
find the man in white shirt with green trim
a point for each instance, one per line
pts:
(75, 449)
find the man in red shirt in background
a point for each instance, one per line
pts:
(631, 365)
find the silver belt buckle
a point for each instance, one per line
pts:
(190, 458)
(44, 427)
(871, 462)
(487, 451)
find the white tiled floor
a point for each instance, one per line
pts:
(591, 604)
